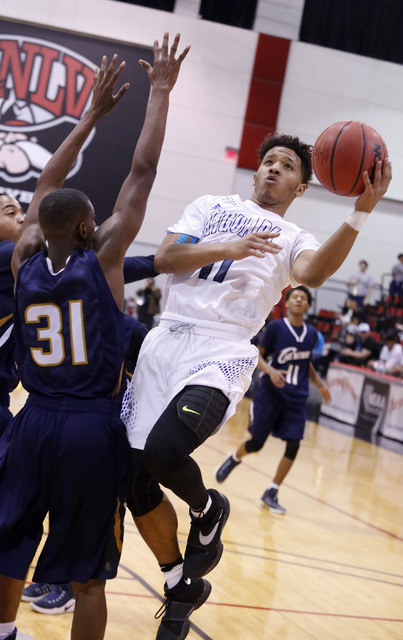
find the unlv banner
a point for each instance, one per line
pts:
(45, 87)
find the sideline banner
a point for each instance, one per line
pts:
(392, 426)
(45, 87)
(345, 386)
(372, 403)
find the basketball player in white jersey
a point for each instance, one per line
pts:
(229, 261)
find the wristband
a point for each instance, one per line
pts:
(357, 219)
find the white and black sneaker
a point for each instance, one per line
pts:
(204, 547)
(180, 603)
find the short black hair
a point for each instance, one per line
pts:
(61, 207)
(363, 262)
(303, 288)
(303, 151)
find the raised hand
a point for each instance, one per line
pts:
(374, 190)
(105, 78)
(166, 67)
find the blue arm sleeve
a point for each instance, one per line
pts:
(138, 268)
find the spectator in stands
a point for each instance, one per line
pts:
(331, 350)
(366, 348)
(391, 356)
(396, 285)
(360, 285)
(349, 318)
(149, 303)
(348, 346)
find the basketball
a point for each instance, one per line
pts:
(342, 152)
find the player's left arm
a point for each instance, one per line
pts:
(312, 268)
(324, 391)
(56, 170)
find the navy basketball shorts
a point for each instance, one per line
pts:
(67, 458)
(283, 416)
(5, 417)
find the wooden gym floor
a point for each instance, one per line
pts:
(330, 569)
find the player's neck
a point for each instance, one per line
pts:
(59, 252)
(297, 320)
(276, 207)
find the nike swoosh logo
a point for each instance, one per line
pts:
(186, 409)
(207, 539)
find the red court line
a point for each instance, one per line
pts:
(274, 609)
(326, 504)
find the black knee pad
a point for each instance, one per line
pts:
(291, 448)
(251, 446)
(161, 458)
(202, 409)
(144, 493)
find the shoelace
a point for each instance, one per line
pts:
(162, 609)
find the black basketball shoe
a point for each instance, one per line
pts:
(204, 547)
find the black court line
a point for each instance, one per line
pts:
(252, 607)
(313, 567)
(319, 500)
(259, 550)
(313, 559)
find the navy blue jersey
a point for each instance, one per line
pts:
(68, 328)
(289, 348)
(8, 374)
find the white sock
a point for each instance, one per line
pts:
(6, 629)
(173, 576)
(274, 486)
(235, 457)
(200, 514)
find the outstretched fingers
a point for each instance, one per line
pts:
(105, 78)
(165, 70)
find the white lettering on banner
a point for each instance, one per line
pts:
(373, 402)
(24, 197)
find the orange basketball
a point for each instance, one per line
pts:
(342, 152)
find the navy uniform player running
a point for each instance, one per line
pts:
(229, 261)
(279, 406)
(67, 446)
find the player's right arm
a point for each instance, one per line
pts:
(115, 235)
(176, 256)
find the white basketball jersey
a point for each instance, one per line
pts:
(236, 292)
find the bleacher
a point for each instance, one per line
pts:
(381, 317)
